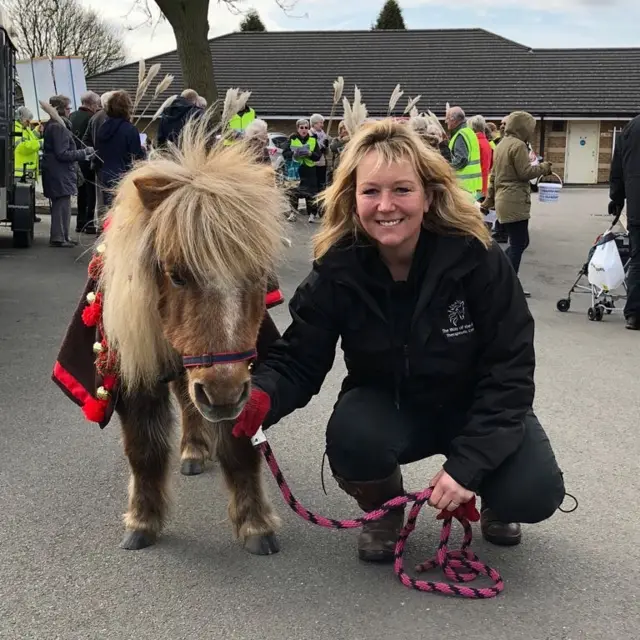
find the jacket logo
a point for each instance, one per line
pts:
(456, 312)
(459, 324)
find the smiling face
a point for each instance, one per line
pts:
(390, 203)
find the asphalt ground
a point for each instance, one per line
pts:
(63, 490)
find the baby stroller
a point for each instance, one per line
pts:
(603, 299)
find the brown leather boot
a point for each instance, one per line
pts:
(377, 540)
(505, 534)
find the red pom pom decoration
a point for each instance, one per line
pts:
(95, 267)
(94, 410)
(109, 382)
(91, 314)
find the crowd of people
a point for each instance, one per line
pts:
(88, 153)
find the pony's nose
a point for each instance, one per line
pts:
(206, 396)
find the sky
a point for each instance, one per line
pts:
(543, 23)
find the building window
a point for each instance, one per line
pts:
(557, 125)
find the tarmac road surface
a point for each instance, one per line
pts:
(63, 491)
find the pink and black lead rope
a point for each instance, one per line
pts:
(458, 566)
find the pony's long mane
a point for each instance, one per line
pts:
(221, 220)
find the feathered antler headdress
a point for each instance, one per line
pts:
(338, 89)
(394, 99)
(355, 114)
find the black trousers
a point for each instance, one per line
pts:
(310, 200)
(632, 307)
(86, 198)
(368, 437)
(518, 234)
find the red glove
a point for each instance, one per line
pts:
(467, 510)
(253, 414)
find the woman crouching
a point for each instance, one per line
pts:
(437, 340)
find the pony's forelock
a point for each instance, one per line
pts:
(221, 221)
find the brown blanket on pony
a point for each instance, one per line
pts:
(78, 371)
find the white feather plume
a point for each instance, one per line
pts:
(411, 104)
(142, 69)
(395, 97)
(338, 89)
(51, 112)
(355, 114)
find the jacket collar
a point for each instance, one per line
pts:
(355, 262)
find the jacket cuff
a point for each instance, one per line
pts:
(463, 473)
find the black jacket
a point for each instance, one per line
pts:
(79, 122)
(625, 171)
(455, 339)
(174, 118)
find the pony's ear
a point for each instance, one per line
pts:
(153, 190)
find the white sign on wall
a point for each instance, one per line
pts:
(41, 78)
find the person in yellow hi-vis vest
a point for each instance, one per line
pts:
(303, 149)
(239, 123)
(27, 144)
(465, 151)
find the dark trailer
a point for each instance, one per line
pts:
(17, 197)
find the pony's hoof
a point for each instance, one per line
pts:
(191, 467)
(135, 540)
(263, 545)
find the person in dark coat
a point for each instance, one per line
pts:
(304, 149)
(176, 115)
(60, 170)
(90, 104)
(118, 143)
(89, 138)
(625, 186)
(437, 340)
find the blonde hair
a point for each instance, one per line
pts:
(452, 210)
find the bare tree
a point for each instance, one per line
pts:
(190, 22)
(65, 28)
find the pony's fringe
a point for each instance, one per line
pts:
(222, 221)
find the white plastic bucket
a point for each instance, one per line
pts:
(549, 191)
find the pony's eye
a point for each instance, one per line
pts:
(176, 279)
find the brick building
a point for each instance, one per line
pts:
(580, 97)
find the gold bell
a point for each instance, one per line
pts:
(91, 297)
(101, 248)
(97, 347)
(102, 393)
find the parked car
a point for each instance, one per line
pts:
(277, 141)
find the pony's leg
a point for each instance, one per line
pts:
(252, 516)
(147, 420)
(196, 445)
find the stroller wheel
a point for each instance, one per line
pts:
(563, 305)
(591, 314)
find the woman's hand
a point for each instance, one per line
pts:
(447, 493)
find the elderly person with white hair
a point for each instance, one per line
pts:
(60, 156)
(303, 149)
(90, 138)
(89, 105)
(432, 134)
(257, 135)
(27, 144)
(479, 125)
(317, 129)
(465, 151)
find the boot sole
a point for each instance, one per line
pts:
(499, 541)
(377, 557)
